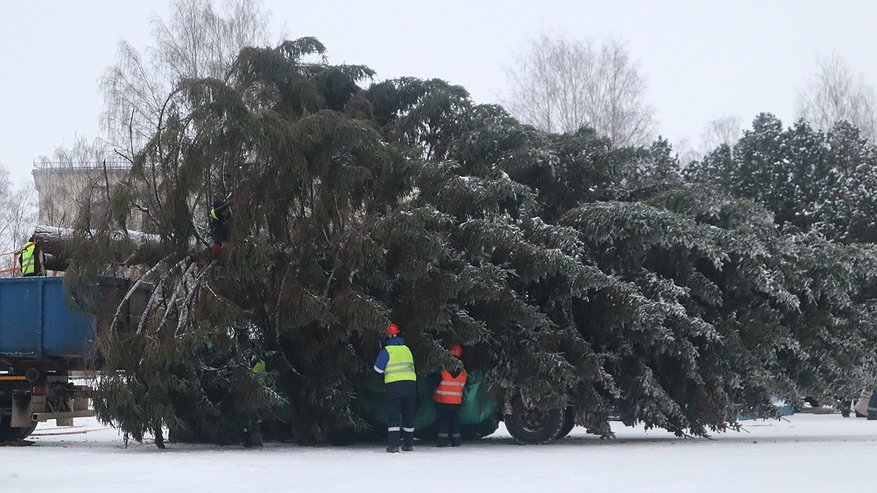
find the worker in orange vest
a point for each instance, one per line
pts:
(448, 397)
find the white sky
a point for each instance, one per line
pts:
(702, 59)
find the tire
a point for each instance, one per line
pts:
(25, 432)
(569, 422)
(531, 425)
(10, 434)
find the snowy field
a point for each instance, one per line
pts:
(802, 453)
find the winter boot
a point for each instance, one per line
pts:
(392, 450)
(251, 438)
(408, 448)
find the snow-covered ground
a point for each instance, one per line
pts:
(803, 453)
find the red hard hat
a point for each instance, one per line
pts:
(456, 350)
(392, 330)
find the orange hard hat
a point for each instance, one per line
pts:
(392, 329)
(456, 350)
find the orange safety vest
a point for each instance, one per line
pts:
(450, 389)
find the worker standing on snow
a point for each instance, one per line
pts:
(252, 433)
(448, 397)
(31, 259)
(218, 224)
(396, 362)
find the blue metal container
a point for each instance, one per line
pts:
(36, 321)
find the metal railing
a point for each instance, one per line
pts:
(46, 165)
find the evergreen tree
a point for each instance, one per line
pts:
(809, 179)
(580, 275)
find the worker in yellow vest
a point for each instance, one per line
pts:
(31, 259)
(448, 397)
(396, 362)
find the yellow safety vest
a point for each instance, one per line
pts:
(28, 265)
(400, 365)
(259, 370)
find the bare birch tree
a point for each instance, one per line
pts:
(686, 152)
(835, 93)
(18, 207)
(200, 40)
(20, 216)
(724, 130)
(559, 85)
(7, 244)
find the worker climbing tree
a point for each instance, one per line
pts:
(218, 224)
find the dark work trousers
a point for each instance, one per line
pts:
(448, 423)
(252, 433)
(404, 407)
(872, 406)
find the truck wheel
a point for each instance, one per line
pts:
(25, 432)
(569, 422)
(532, 425)
(10, 434)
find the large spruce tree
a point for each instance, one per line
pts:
(577, 274)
